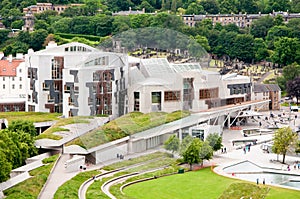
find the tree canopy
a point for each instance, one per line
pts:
(284, 140)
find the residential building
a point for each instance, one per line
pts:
(42, 7)
(241, 20)
(12, 84)
(270, 92)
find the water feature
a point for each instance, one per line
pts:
(251, 172)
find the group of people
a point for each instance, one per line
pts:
(120, 156)
(246, 148)
(223, 150)
(257, 181)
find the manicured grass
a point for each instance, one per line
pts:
(30, 188)
(126, 125)
(30, 116)
(70, 188)
(58, 127)
(201, 184)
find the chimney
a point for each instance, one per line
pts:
(10, 58)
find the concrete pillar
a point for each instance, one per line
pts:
(180, 135)
(228, 120)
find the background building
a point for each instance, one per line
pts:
(12, 84)
(270, 92)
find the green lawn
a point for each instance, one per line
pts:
(204, 184)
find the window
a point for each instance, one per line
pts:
(172, 95)
(13, 86)
(13, 78)
(56, 73)
(3, 86)
(20, 86)
(208, 93)
(20, 78)
(3, 78)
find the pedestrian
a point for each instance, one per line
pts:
(288, 168)
(225, 150)
(118, 155)
(244, 150)
(264, 182)
(260, 124)
(249, 147)
(221, 150)
(257, 181)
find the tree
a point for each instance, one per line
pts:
(243, 47)
(203, 42)
(286, 51)
(185, 143)
(293, 88)
(5, 166)
(289, 72)
(192, 154)
(261, 26)
(210, 6)
(172, 144)
(205, 152)
(22, 125)
(260, 49)
(215, 141)
(194, 8)
(284, 139)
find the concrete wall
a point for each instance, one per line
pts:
(111, 152)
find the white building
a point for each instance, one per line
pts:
(12, 84)
(76, 79)
(157, 85)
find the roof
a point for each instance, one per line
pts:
(257, 88)
(186, 67)
(8, 68)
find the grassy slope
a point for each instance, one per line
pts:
(201, 184)
(31, 187)
(126, 125)
(57, 127)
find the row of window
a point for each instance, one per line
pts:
(13, 78)
(13, 86)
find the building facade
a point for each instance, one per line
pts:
(12, 84)
(42, 7)
(241, 20)
(76, 79)
(157, 85)
(270, 92)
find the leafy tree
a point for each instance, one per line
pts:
(205, 152)
(248, 6)
(232, 28)
(62, 25)
(284, 139)
(203, 42)
(194, 8)
(295, 6)
(260, 49)
(172, 144)
(192, 154)
(243, 47)
(147, 6)
(41, 24)
(22, 125)
(17, 24)
(120, 24)
(215, 141)
(210, 6)
(185, 143)
(228, 6)
(37, 39)
(3, 35)
(294, 25)
(286, 51)
(15, 47)
(293, 88)
(5, 166)
(289, 72)
(261, 26)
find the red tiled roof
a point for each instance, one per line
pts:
(9, 68)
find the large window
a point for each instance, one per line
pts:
(172, 95)
(208, 93)
(156, 98)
